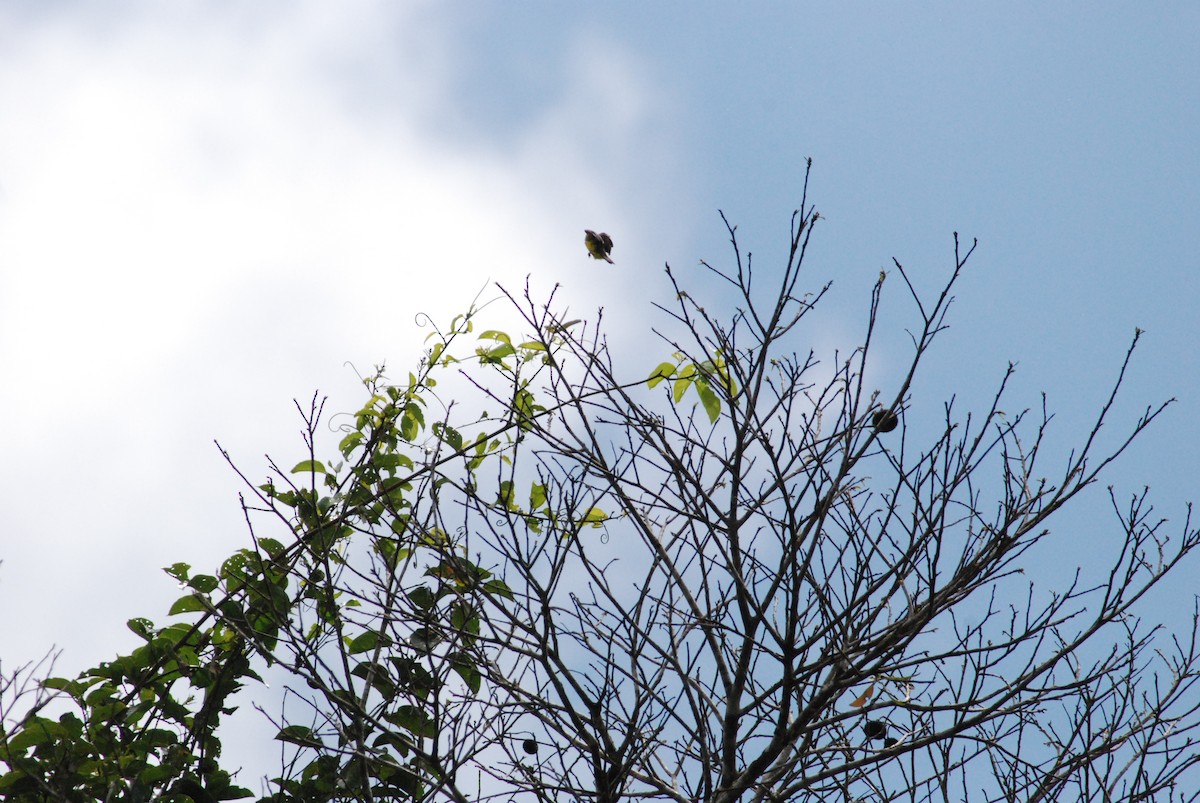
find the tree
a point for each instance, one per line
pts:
(737, 578)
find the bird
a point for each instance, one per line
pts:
(885, 420)
(598, 245)
(875, 729)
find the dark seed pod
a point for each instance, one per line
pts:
(529, 746)
(890, 741)
(875, 728)
(885, 420)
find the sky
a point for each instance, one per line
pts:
(208, 210)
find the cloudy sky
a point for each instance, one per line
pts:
(210, 209)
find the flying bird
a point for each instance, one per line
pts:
(598, 245)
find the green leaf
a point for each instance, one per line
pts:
(665, 370)
(72, 687)
(298, 734)
(412, 421)
(363, 642)
(424, 639)
(450, 435)
(315, 466)
(496, 354)
(465, 619)
(525, 404)
(504, 497)
(422, 597)
(559, 328)
(350, 442)
(494, 334)
(142, 627)
(37, 731)
(466, 670)
(271, 547)
(595, 516)
(710, 400)
(499, 588)
(387, 462)
(413, 720)
(233, 570)
(394, 740)
(189, 604)
(204, 583)
(680, 387)
(377, 675)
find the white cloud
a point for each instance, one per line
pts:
(206, 211)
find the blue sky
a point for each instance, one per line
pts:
(209, 209)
